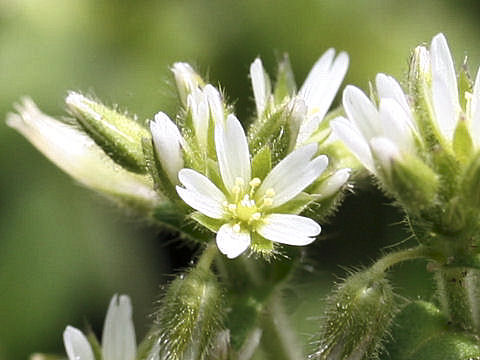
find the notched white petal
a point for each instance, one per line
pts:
(385, 152)
(215, 103)
(232, 152)
(77, 345)
(289, 229)
(201, 194)
(232, 243)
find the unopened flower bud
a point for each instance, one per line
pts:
(189, 320)
(187, 80)
(118, 135)
(358, 316)
(78, 155)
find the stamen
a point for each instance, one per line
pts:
(255, 182)
(270, 193)
(267, 201)
(256, 216)
(239, 181)
(232, 207)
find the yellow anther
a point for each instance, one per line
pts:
(236, 189)
(255, 182)
(256, 216)
(236, 228)
(232, 207)
(239, 181)
(267, 202)
(270, 192)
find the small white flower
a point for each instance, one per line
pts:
(316, 93)
(118, 341)
(79, 156)
(247, 205)
(391, 126)
(319, 90)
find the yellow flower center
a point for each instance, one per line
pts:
(245, 210)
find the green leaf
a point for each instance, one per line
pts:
(422, 332)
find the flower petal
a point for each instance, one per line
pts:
(289, 229)
(217, 111)
(444, 86)
(232, 243)
(187, 80)
(315, 77)
(77, 345)
(388, 87)
(167, 140)
(333, 183)
(445, 111)
(346, 131)
(118, 339)
(260, 84)
(232, 152)
(475, 110)
(293, 174)
(200, 193)
(362, 112)
(385, 151)
(197, 103)
(396, 124)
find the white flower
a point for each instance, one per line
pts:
(78, 155)
(314, 97)
(247, 205)
(118, 341)
(376, 136)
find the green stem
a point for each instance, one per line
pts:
(208, 255)
(278, 340)
(455, 297)
(396, 257)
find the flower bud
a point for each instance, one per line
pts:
(358, 317)
(119, 136)
(78, 155)
(187, 80)
(190, 317)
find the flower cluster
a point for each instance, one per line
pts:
(248, 189)
(423, 145)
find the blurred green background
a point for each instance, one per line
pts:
(63, 250)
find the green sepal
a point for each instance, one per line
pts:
(95, 344)
(262, 132)
(212, 172)
(190, 316)
(211, 224)
(465, 84)
(285, 83)
(470, 183)
(145, 347)
(297, 205)
(414, 183)
(421, 331)
(173, 216)
(462, 141)
(262, 163)
(117, 134)
(262, 246)
(160, 178)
